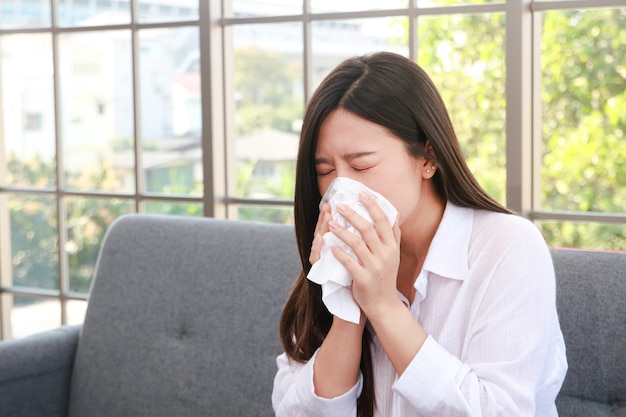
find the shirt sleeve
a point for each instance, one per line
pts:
(513, 361)
(294, 393)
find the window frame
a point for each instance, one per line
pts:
(219, 199)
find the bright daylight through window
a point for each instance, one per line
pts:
(182, 107)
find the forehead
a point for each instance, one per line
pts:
(344, 132)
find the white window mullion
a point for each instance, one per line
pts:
(518, 105)
(307, 56)
(212, 68)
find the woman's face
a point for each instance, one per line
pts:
(353, 147)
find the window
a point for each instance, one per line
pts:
(32, 121)
(582, 104)
(119, 106)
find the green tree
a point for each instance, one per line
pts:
(34, 241)
(31, 172)
(584, 120)
(87, 222)
(281, 188)
(34, 237)
(464, 55)
(583, 91)
(35, 250)
(268, 91)
(269, 94)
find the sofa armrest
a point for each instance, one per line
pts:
(35, 373)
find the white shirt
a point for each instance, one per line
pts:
(486, 297)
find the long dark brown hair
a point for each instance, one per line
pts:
(392, 91)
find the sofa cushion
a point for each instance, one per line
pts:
(35, 373)
(183, 319)
(591, 300)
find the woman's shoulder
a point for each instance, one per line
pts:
(510, 244)
(505, 230)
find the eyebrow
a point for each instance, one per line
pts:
(348, 157)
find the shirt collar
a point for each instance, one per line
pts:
(448, 252)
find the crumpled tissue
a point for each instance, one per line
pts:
(328, 272)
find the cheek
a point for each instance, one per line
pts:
(323, 183)
(404, 197)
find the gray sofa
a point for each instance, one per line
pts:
(183, 321)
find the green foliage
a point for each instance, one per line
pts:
(464, 55)
(87, 222)
(584, 120)
(174, 208)
(268, 91)
(34, 236)
(173, 180)
(280, 215)
(269, 94)
(584, 109)
(583, 157)
(282, 186)
(34, 245)
(32, 172)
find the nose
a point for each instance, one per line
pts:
(344, 171)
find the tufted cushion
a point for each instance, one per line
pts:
(183, 319)
(591, 300)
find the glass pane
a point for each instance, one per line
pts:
(335, 40)
(167, 10)
(34, 241)
(584, 107)
(96, 98)
(173, 208)
(75, 310)
(266, 164)
(93, 12)
(263, 8)
(331, 6)
(269, 101)
(171, 111)
(88, 220)
(31, 315)
(24, 14)
(27, 111)
(265, 214)
(464, 55)
(604, 236)
(437, 3)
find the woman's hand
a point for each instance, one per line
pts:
(336, 367)
(321, 228)
(378, 252)
(374, 286)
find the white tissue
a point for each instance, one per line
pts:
(328, 272)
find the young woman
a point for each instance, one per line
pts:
(457, 298)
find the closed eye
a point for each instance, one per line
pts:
(322, 173)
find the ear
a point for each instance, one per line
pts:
(428, 148)
(429, 166)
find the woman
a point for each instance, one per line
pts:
(457, 298)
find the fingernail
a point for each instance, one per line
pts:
(332, 225)
(341, 208)
(365, 196)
